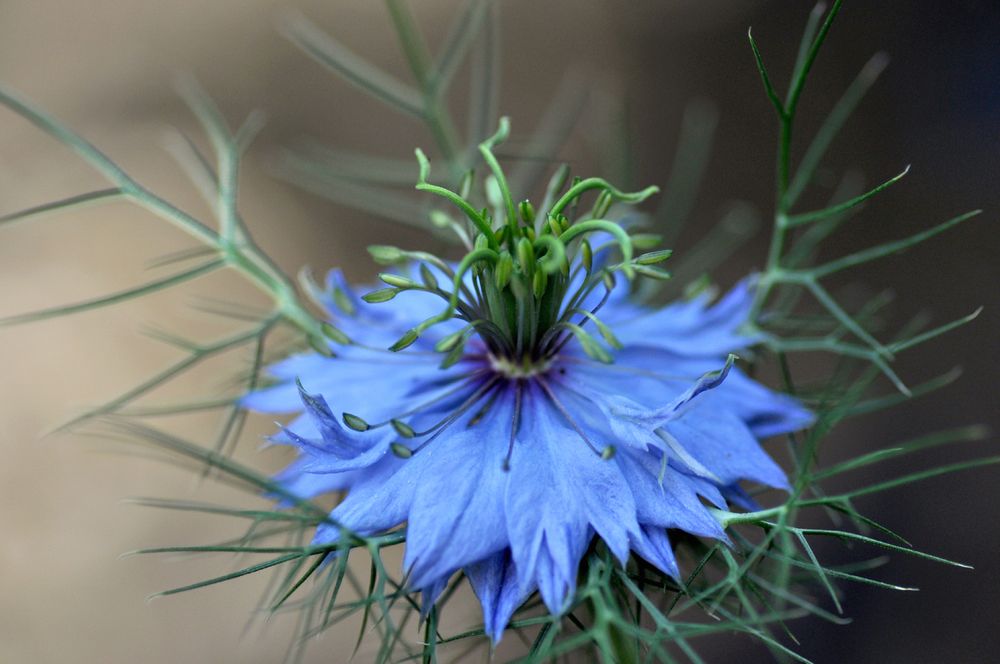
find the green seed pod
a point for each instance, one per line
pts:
(539, 282)
(440, 219)
(400, 450)
(646, 240)
(454, 355)
(342, 301)
(554, 226)
(587, 256)
(652, 272)
(449, 342)
(321, 346)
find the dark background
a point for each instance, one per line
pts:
(106, 69)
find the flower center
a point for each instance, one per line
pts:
(525, 368)
(528, 284)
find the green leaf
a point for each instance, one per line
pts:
(114, 298)
(77, 202)
(332, 54)
(833, 124)
(772, 94)
(889, 248)
(964, 434)
(807, 217)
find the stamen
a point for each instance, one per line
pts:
(442, 426)
(471, 401)
(481, 413)
(515, 423)
(569, 418)
(467, 378)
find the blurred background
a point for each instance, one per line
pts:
(106, 68)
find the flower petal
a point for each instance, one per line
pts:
(665, 497)
(457, 513)
(726, 446)
(559, 488)
(692, 328)
(494, 580)
(653, 545)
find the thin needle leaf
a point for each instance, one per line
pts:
(114, 298)
(72, 203)
(806, 217)
(332, 54)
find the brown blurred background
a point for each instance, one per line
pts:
(106, 67)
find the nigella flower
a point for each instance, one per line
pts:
(533, 436)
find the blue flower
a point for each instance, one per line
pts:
(508, 460)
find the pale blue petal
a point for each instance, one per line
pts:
(724, 444)
(653, 546)
(692, 328)
(457, 514)
(378, 501)
(296, 479)
(430, 594)
(559, 488)
(494, 580)
(665, 497)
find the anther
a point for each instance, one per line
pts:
(355, 422)
(402, 428)
(400, 450)
(514, 425)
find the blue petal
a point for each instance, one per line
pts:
(670, 502)
(653, 545)
(457, 513)
(559, 488)
(430, 594)
(297, 479)
(766, 412)
(653, 419)
(690, 328)
(378, 501)
(494, 580)
(735, 494)
(725, 445)
(337, 449)
(555, 578)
